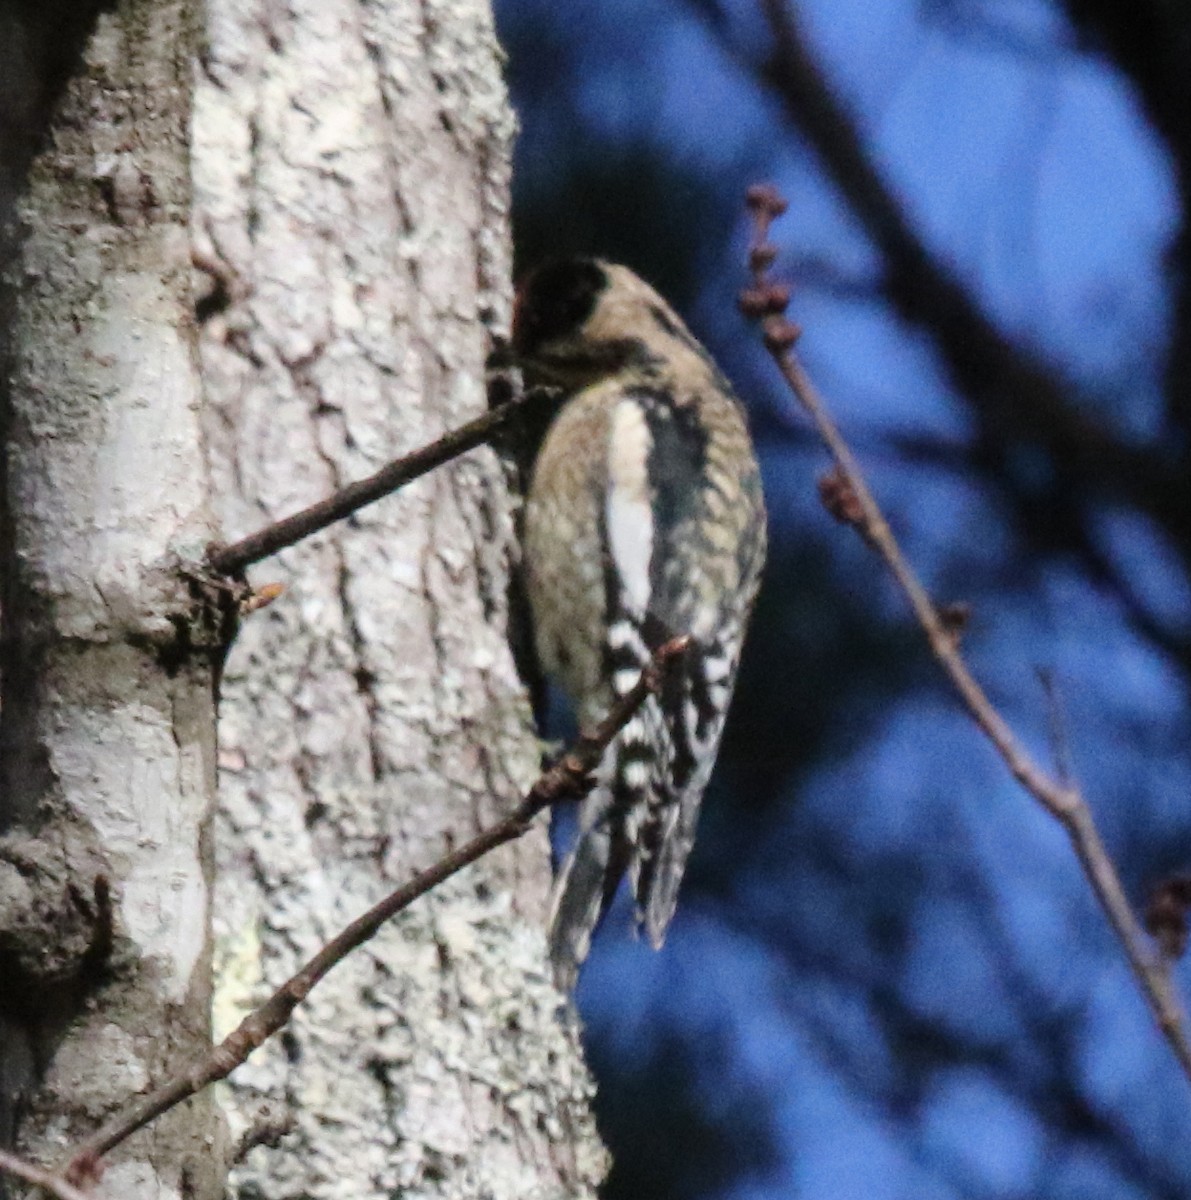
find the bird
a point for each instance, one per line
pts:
(644, 520)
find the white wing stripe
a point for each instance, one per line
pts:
(628, 510)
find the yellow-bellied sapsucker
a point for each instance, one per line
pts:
(644, 520)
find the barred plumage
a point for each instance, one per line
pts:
(644, 520)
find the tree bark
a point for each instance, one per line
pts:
(350, 168)
(352, 171)
(107, 747)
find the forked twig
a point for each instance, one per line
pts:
(854, 503)
(567, 778)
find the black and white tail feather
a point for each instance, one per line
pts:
(644, 521)
(641, 817)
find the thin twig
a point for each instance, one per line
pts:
(1063, 801)
(568, 778)
(1016, 394)
(56, 1185)
(1011, 386)
(227, 560)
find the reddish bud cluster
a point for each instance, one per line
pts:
(764, 198)
(839, 498)
(955, 617)
(762, 257)
(780, 334)
(767, 300)
(1166, 915)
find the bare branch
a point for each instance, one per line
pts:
(1013, 386)
(227, 560)
(40, 1177)
(853, 502)
(1017, 395)
(569, 778)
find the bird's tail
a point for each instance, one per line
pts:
(683, 729)
(614, 820)
(579, 897)
(587, 881)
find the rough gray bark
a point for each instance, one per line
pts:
(351, 163)
(107, 749)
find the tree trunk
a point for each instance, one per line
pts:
(107, 747)
(351, 163)
(350, 168)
